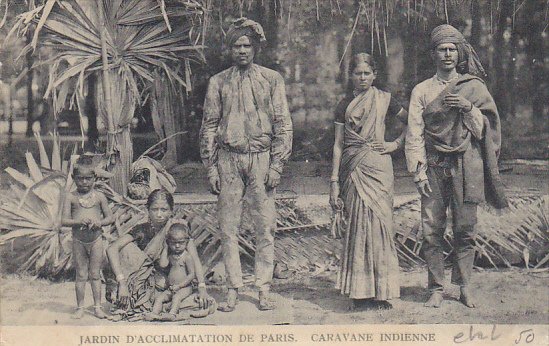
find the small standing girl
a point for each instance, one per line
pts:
(86, 210)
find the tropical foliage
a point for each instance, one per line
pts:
(32, 212)
(30, 215)
(127, 41)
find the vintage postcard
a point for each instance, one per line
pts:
(249, 172)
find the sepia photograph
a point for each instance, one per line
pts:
(226, 172)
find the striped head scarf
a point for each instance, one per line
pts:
(469, 61)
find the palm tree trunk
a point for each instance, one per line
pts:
(91, 112)
(124, 159)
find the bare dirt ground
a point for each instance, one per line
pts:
(513, 296)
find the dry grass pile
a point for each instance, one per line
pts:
(517, 235)
(290, 221)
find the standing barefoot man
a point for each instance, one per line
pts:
(452, 146)
(245, 140)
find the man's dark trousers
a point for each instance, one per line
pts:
(433, 216)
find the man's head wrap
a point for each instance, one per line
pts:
(469, 61)
(245, 27)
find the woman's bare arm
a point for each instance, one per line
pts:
(336, 161)
(200, 275)
(164, 261)
(199, 271)
(337, 150)
(108, 216)
(113, 253)
(402, 114)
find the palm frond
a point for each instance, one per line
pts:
(20, 177)
(138, 41)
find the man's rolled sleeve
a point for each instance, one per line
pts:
(474, 121)
(210, 122)
(281, 146)
(416, 158)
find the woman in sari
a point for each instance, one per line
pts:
(362, 184)
(133, 258)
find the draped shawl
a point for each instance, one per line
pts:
(476, 177)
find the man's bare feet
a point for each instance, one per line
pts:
(79, 313)
(435, 300)
(232, 300)
(466, 297)
(98, 312)
(265, 301)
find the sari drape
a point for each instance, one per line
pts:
(369, 267)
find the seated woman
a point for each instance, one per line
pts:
(134, 256)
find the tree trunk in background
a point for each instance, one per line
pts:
(341, 43)
(272, 33)
(359, 36)
(536, 56)
(510, 77)
(91, 112)
(167, 109)
(476, 28)
(30, 99)
(500, 88)
(265, 13)
(410, 75)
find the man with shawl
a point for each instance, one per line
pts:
(452, 145)
(245, 140)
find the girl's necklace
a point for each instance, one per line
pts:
(87, 201)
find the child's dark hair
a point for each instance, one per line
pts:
(160, 194)
(180, 226)
(84, 162)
